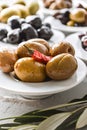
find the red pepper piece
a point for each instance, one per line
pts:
(38, 56)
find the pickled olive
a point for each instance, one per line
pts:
(61, 66)
(8, 12)
(33, 7)
(21, 2)
(29, 70)
(62, 47)
(23, 52)
(70, 23)
(78, 15)
(8, 58)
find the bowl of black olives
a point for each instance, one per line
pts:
(20, 29)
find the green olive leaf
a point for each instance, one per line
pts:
(53, 121)
(29, 119)
(52, 118)
(44, 113)
(84, 98)
(82, 121)
(24, 127)
(59, 107)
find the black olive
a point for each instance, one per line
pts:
(14, 22)
(45, 33)
(34, 20)
(3, 33)
(14, 36)
(28, 32)
(66, 14)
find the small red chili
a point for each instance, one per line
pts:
(38, 56)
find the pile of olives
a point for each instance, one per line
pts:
(35, 61)
(24, 29)
(76, 17)
(57, 4)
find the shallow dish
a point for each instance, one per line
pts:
(56, 24)
(76, 42)
(57, 37)
(43, 89)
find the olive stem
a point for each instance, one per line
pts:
(31, 51)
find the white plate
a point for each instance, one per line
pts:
(56, 24)
(57, 37)
(75, 41)
(39, 90)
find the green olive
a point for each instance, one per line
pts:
(70, 23)
(23, 10)
(21, 2)
(8, 58)
(61, 66)
(23, 52)
(33, 7)
(41, 41)
(29, 70)
(4, 5)
(8, 12)
(78, 15)
(62, 47)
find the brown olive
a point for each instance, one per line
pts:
(61, 66)
(78, 15)
(23, 52)
(41, 41)
(62, 47)
(29, 70)
(8, 58)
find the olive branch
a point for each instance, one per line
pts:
(60, 117)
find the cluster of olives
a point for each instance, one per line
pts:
(76, 17)
(23, 61)
(83, 39)
(19, 8)
(25, 29)
(57, 4)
